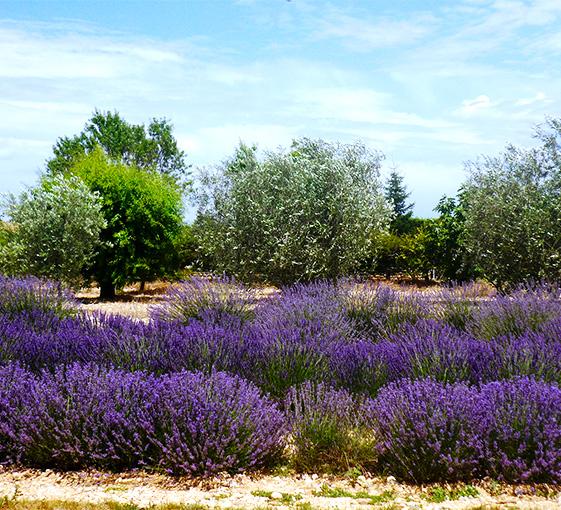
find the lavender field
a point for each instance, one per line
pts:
(329, 376)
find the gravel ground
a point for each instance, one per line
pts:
(241, 491)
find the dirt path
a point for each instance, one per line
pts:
(241, 491)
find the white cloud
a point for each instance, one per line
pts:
(476, 105)
(347, 104)
(539, 97)
(364, 35)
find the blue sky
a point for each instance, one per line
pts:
(429, 83)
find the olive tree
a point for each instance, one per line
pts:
(512, 207)
(54, 231)
(298, 214)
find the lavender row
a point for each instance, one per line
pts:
(507, 430)
(84, 416)
(278, 357)
(345, 309)
(186, 423)
(354, 309)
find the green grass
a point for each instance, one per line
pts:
(287, 499)
(441, 494)
(337, 492)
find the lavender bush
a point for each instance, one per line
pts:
(376, 310)
(193, 297)
(209, 424)
(329, 428)
(429, 349)
(427, 431)
(31, 294)
(526, 309)
(186, 423)
(77, 416)
(363, 366)
(298, 305)
(522, 430)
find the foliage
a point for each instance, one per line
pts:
(296, 215)
(522, 429)
(197, 297)
(187, 252)
(426, 430)
(85, 416)
(143, 214)
(512, 212)
(328, 429)
(30, 294)
(148, 147)
(445, 241)
(396, 195)
(56, 228)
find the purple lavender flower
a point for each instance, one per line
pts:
(83, 416)
(221, 295)
(522, 430)
(427, 431)
(31, 293)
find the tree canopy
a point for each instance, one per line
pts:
(513, 211)
(297, 214)
(143, 211)
(148, 147)
(55, 230)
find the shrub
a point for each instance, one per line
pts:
(427, 431)
(376, 310)
(522, 430)
(363, 366)
(512, 208)
(84, 416)
(142, 209)
(437, 351)
(209, 424)
(79, 416)
(56, 230)
(300, 306)
(532, 354)
(524, 310)
(30, 294)
(195, 297)
(283, 357)
(329, 429)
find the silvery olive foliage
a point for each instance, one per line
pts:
(56, 228)
(513, 211)
(311, 211)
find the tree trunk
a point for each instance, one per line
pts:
(142, 286)
(107, 290)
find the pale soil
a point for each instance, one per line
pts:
(238, 491)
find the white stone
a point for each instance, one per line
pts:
(276, 495)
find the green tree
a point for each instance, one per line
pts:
(305, 213)
(55, 230)
(143, 210)
(148, 147)
(513, 211)
(445, 241)
(396, 195)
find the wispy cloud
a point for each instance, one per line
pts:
(539, 97)
(364, 35)
(429, 88)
